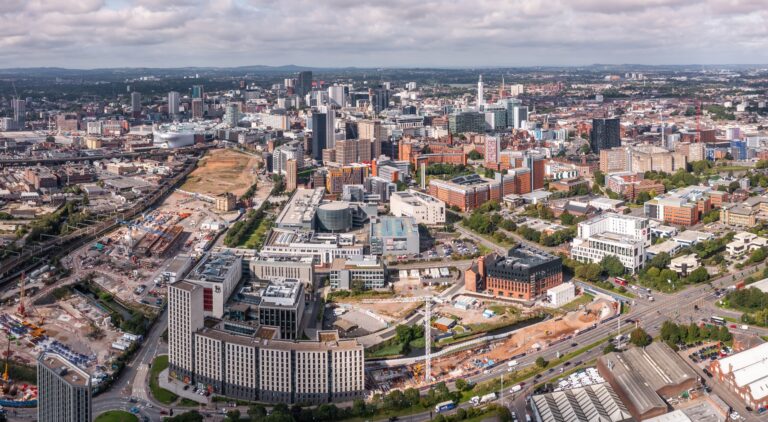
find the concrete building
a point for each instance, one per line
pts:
(596, 402)
(524, 273)
(277, 268)
(291, 175)
(394, 236)
(322, 247)
(423, 208)
(218, 274)
(560, 295)
(745, 242)
(282, 305)
(684, 265)
(299, 212)
(644, 377)
(64, 390)
(174, 99)
(177, 269)
(368, 272)
(184, 318)
(746, 374)
(622, 236)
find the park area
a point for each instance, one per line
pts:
(223, 170)
(116, 416)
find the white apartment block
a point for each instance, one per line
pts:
(184, 318)
(622, 236)
(423, 208)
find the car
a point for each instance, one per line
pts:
(566, 363)
(149, 405)
(393, 418)
(186, 387)
(163, 412)
(749, 409)
(574, 344)
(135, 410)
(537, 376)
(133, 399)
(551, 370)
(577, 363)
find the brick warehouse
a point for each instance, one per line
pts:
(524, 273)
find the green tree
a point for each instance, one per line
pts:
(599, 177)
(609, 348)
(461, 384)
(612, 266)
(474, 155)
(541, 362)
(567, 218)
(642, 198)
(639, 337)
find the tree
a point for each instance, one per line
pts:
(567, 218)
(541, 362)
(639, 337)
(599, 177)
(585, 149)
(589, 272)
(612, 266)
(461, 384)
(660, 260)
(642, 198)
(733, 186)
(257, 412)
(474, 155)
(233, 416)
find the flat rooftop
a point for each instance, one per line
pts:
(301, 208)
(65, 369)
(281, 293)
(214, 267)
(522, 257)
(388, 226)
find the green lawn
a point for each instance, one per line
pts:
(116, 416)
(574, 305)
(394, 349)
(256, 239)
(160, 394)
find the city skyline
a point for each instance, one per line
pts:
(182, 33)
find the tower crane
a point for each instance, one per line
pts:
(427, 327)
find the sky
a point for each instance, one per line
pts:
(383, 33)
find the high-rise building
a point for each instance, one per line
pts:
(231, 115)
(372, 130)
(467, 121)
(337, 96)
(379, 98)
(346, 152)
(19, 112)
(519, 115)
(197, 108)
(173, 103)
(492, 150)
(184, 318)
(303, 83)
(136, 103)
(197, 91)
(480, 93)
(605, 134)
(64, 390)
(319, 134)
(291, 175)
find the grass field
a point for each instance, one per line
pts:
(160, 394)
(116, 416)
(256, 239)
(221, 171)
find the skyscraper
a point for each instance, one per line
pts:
(337, 96)
(136, 103)
(605, 134)
(371, 129)
(291, 175)
(197, 91)
(19, 112)
(319, 134)
(480, 93)
(304, 83)
(173, 103)
(197, 108)
(185, 316)
(231, 115)
(64, 390)
(346, 152)
(519, 115)
(379, 98)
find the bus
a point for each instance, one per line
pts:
(445, 406)
(620, 281)
(717, 320)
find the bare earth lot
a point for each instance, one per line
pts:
(221, 171)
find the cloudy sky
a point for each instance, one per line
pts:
(389, 33)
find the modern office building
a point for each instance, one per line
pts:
(299, 212)
(394, 236)
(173, 103)
(303, 83)
(282, 305)
(423, 208)
(622, 236)
(197, 91)
(524, 273)
(368, 272)
(64, 390)
(320, 124)
(136, 103)
(606, 133)
(681, 207)
(284, 267)
(322, 247)
(466, 121)
(218, 274)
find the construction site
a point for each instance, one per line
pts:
(488, 350)
(223, 170)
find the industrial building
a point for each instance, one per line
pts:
(746, 373)
(64, 390)
(622, 236)
(524, 273)
(394, 236)
(368, 272)
(596, 402)
(645, 377)
(423, 208)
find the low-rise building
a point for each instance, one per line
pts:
(684, 265)
(394, 236)
(682, 207)
(524, 273)
(299, 267)
(560, 295)
(746, 374)
(423, 208)
(368, 272)
(745, 242)
(597, 402)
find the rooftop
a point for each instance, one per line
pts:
(214, 267)
(301, 208)
(594, 403)
(283, 293)
(749, 368)
(388, 226)
(65, 369)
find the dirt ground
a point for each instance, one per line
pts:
(221, 171)
(523, 340)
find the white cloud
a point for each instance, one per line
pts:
(100, 33)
